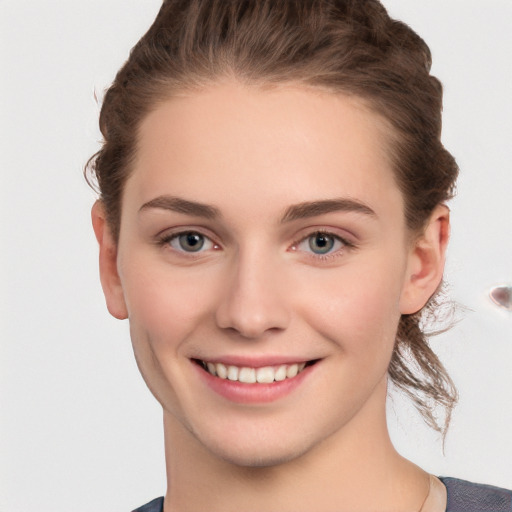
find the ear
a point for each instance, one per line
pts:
(426, 262)
(110, 281)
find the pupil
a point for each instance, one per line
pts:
(191, 242)
(321, 244)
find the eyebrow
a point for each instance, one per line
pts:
(295, 212)
(314, 208)
(179, 205)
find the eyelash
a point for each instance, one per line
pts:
(167, 239)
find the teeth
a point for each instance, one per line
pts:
(221, 371)
(247, 375)
(211, 368)
(233, 372)
(264, 375)
(280, 373)
(292, 370)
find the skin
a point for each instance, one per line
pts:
(258, 289)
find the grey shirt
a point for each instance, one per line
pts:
(462, 496)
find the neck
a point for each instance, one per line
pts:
(354, 470)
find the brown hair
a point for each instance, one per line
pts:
(346, 46)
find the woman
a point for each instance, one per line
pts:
(272, 221)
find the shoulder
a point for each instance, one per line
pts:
(466, 496)
(157, 505)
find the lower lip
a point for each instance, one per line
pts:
(241, 393)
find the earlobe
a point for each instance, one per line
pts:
(426, 262)
(109, 276)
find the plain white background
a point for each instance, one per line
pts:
(79, 431)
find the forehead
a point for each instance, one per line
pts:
(275, 145)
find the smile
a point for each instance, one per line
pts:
(248, 375)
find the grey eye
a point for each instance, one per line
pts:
(319, 243)
(190, 241)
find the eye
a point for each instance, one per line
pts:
(320, 243)
(190, 241)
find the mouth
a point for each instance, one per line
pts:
(250, 375)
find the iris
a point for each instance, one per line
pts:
(191, 242)
(321, 243)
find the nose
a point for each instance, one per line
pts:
(254, 302)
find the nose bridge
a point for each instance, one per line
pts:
(254, 301)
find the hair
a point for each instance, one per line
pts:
(350, 47)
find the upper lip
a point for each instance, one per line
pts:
(255, 362)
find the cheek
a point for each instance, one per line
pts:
(358, 309)
(162, 303)
(164, 309)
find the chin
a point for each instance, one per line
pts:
(255, 451)
(249, 459)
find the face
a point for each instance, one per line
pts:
(263, 264)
